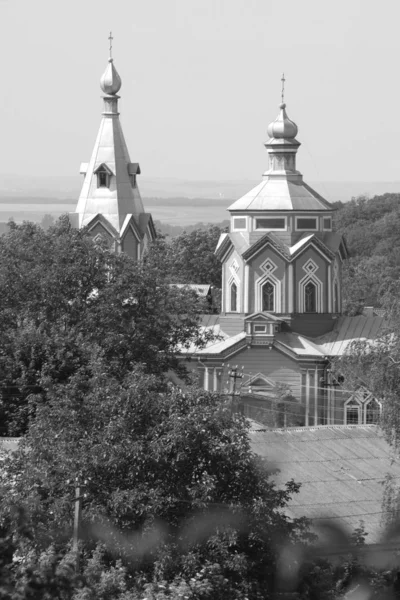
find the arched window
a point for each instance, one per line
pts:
(233, 297)
(353, 410)
(268, 297)
(372, 412)
(310, 299)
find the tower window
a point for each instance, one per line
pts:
(327, 223)
(272, 223)
(306, 224)
(335, 297)
(310, 300)
(103, 178)
(268, 297)
(233, 298)
(239, 223)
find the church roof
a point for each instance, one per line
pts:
(341, 469)
(281, 194)
(348, 330)
(121, 197)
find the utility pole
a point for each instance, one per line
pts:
(234, 376)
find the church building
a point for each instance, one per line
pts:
(281, 321)
(110, 205)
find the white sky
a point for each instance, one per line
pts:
(201, 82)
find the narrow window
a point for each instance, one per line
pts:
(372, 412)
(233, 297)
(352, 414)
(327, 223)
(103, 178)
(268, 297)
(310, 300)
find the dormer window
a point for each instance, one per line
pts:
(103, 174)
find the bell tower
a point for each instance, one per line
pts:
(281, 255)
(110, 205)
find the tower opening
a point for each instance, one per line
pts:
(310, 292)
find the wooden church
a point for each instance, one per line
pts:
(281, 320)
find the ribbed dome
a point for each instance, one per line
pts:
(282, 127)
(110, 81)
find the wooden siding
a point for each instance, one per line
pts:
(255, 272)
(130, 244)
(321, 274)
(273, 364)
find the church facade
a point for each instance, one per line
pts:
(110, 205)
(281, 321)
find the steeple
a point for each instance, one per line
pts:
(110, 192)
(282, 145)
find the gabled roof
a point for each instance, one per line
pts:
(263, 242)
(263, 316)
(341, 469)
(281, 194)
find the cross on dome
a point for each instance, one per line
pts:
(110, 82)
(282, 127)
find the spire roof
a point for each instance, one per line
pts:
(116, 195)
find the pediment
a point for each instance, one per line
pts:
(260, 382)
(262, 316)
(103, 167)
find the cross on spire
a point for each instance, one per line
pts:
(110, 37)
(283, 87)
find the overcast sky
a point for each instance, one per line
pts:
(200, 84)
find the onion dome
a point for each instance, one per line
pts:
(282, 127)
(110, 81)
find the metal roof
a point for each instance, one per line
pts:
(341, 469)
(274, 194)
(348, 330)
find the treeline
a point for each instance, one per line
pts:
(371, 227)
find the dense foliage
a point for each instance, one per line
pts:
(173, 489)
(64, 301)
(189, 257)
(371, 227)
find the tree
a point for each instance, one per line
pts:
(173, 487)
(189, 257)
(64, 301)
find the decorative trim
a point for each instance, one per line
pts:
(268, 267)
(246, 288)
(290, 288)
(330, 289)
(311, 268)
